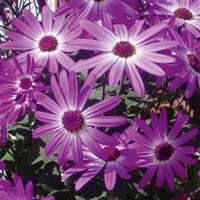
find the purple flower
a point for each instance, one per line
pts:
(124, 50)
(47, 42)
(120, 161)
(163, 152)
(189, 63)
(16, 91)
(93, 10)
(71, 125)
(186, 12)
(18, 192)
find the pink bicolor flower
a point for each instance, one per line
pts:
(124, 50)
(46, 42)
(70, 123)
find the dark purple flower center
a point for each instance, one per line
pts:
(73, 121)
(194, 62)
(113, 153)
(26, 83)
(164, 151)
(48, 43)
(124, 49)
(183, 13)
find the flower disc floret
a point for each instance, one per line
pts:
(124, 49)
(113, 153)
(183, 13)
(48, 43)
(73, 121)
(194, 62)
(26, 83)
(164, 151)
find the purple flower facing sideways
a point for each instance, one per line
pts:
(120, 161)
(189, 63)
(163, 152)
(47, 42)
(18, 192)
(124, 50)
(186, 12)
(17, 90)
(71, 125)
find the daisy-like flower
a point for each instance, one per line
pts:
(124, 50)
(18, 192)
(163, 152)
(71, 125)
(47, 42)
(120, 161)
(16, 92)
(189, 63)
(94, 9)
(186, 12)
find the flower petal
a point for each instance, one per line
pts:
(116, 72)
(86, 177)
(45, 129)
(92, 45)
(47, 19)
(98, 32)
(47, 103)
(54, 143)
(101, 137)
(106, 121)
(135, 79)
(147, 177)
(178, 125)
(109, 179)
(186, 137)
(102, 107)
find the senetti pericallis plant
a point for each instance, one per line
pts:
(99, 99)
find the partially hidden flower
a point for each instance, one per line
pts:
(16, 92)
(185, 12)
(93, 10)
(18, 191)
(120, 161)
(189, 62)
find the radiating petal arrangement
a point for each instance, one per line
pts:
(99, 96)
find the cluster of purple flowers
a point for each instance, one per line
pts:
(164, 43)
